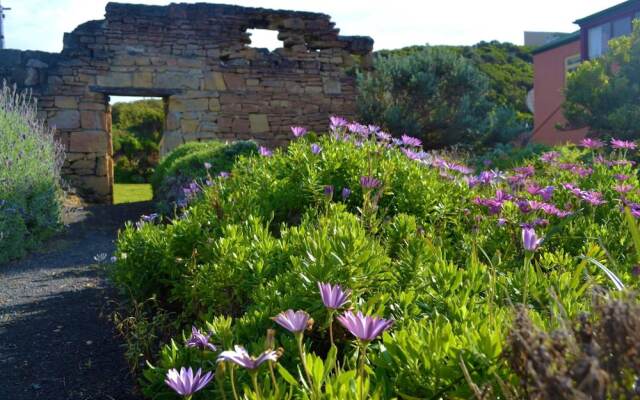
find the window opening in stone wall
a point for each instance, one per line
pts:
(137, 125)
(264, 39)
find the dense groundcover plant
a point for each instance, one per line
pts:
(30, 162)
(354, 265)
(181, 171)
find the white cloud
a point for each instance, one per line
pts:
(40, 24)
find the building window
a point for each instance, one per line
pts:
(599, 40)
(621, 27)
(572, 63)
(599, 36)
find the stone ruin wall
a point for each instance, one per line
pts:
(198, 58)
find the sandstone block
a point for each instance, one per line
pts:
(66, 102)
(177, 80)
(98, 185)
(259, 123)
(143, 79)
(173, 121)
(115, 79)
(102, 166)
(240, 125)
(332, 86)
(83, 164)
(65, 120)
(189, 125)
(234, 81)
(170, 140)
(89, 142)
(94, 120)
(214, 105)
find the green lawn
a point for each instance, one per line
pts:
(131, 192)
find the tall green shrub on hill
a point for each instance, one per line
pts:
(448, 95)
(30, 163)
(434, 94)
(509, 68)
(137, 131)
(604, 93)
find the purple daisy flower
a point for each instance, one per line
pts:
(623, 188)
(239, 356)
(315, 148)
(200, 340)
(207, 166)
(589, 143)
(411, 141)
(185, 382)
(265, 152)
(224, 174)
(346, 192)
(298, 131)
(549, 156)
(622, 144)
(337, 122)
(333, 296)
(530, 240)
(412, 155)
(294, 322)
(369, 182)
(365, 328)
(383, 136)
(328, 191)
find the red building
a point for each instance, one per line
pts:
(553, 61)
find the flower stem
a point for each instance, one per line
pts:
(361, 369)
(254, 379)
(527, 266)
(303, 359)
(273, 379)
(233, 383)
(331, 330)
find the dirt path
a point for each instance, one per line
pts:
(55, 342)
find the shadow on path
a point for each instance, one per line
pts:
(55, 341)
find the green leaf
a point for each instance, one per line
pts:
(286, 375)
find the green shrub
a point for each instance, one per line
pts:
(422, 248)
(137, 131)
(186, 164)
(434, 94)
(30, 162)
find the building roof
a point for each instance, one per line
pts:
(567, 38)
(611, 10)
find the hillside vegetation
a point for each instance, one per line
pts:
(137, 131)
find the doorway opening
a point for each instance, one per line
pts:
(137, 125)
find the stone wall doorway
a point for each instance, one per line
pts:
(135, 127)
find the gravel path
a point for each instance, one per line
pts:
(55, 340)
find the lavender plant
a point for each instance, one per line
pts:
(30, 186)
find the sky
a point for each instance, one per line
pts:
(40, 24)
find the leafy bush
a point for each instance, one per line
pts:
(434, 93)
(417, 238)
(604, 94)
(185, 165)
(137, 131)
(450, 95)
(509, 68)
(30, 162)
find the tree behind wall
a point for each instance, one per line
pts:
(604, 94)
(137, 130)
(434, 94)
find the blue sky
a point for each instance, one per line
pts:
(40, 24)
